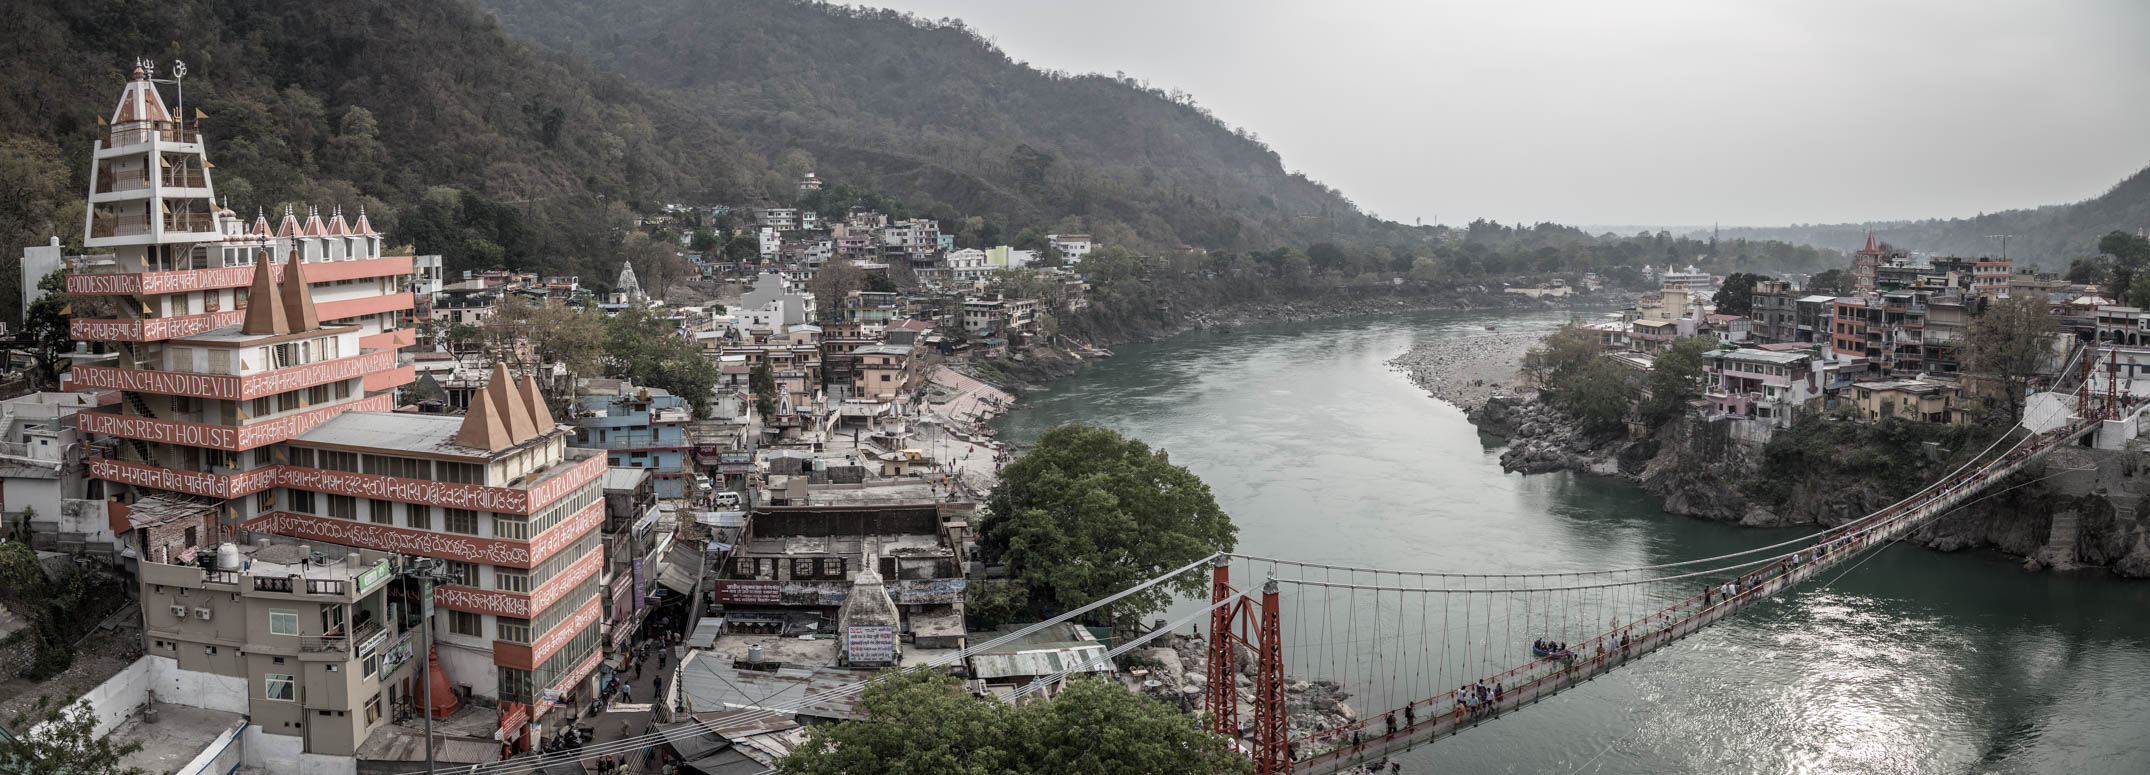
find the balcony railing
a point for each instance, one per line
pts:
(132, 132)
(273, 584)
(189, 222)
(184, 179)
(122, 183)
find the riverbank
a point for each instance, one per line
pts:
(1467, 371)
(1818, 473)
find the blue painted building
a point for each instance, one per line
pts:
(638, 428)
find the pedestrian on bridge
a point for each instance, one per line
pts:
(1410, 715)
(1392, 723)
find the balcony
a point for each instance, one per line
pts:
(185, 178)
(113, 185)
(137, 132)
(181, 280)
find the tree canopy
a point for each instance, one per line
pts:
(1672, 376)
(647, 347)
(924, 723)
(2008, 345)
(60, 736)
(1736, 295)
(1087, 513)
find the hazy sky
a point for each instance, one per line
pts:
(1640, 111)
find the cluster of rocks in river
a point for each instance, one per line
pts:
(1465, 371)
(1179, 672)
(1542, 438)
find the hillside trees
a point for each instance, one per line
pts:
(1672, 377)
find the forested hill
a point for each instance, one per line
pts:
(403, 105)
(2049, 236)
(932, 114)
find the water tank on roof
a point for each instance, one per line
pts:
(227, 556)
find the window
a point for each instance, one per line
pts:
(302, 457)
(343, 507)
(317, 394)
(331, 620)
(462, 521)
(507, 580)
(283, 621)
(465, 573)
(343, 390)
(505, 526)
(461, 473)
(278, 686)
(260, 406)
(402, 467)
(512, 629)
(380, 512)
(515, 684)
(466, 623)
(418, 516)
(339, 461)
(373, 709)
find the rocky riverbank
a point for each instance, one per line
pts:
(1180, 670)
(1466, 371)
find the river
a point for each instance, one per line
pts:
(1913, 662)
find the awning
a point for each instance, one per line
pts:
(682, 567)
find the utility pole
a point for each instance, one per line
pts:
(427, 571)
(2004, 243)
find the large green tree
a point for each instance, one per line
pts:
(648, 348)
(45, 324)
(60, 737)
(1736, 295)
(1087, 513)
(1672, 376)
(2008, 345)
(924, 723)
(2129, 253)
(762, 381)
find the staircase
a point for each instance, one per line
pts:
(2059, 551)
(141, 409)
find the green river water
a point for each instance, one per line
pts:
(1914, 662)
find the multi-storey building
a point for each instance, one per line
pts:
(1775, 311)
(1992, 276)
(1776, 386)
(268, 494)
(638, 428)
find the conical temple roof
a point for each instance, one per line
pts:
(265, 311)
(298, 297)
(499, 415)
(535, 400)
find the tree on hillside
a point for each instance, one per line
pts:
(60, 736)
(1087, 513)
(2130, 253)
(1552, 363)
(1598, 394)
(762, 381)
(924, 723)
(528, 335)
(2008, 345)
(1835, 282)
(2087, 270)
(648, 348)
(45, 323)
(835, 281)
(1736, 295)
(1672, 377)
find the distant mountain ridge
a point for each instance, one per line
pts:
(2048, 236)
(930, 112)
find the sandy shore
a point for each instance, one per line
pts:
(1466, 370)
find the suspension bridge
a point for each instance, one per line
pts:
(1503, 641)
(1444, 652)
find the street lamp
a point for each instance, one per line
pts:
(427, 571)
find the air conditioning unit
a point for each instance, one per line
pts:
(202, 614)
(179, 611)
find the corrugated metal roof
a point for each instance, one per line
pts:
(1046, 660)
(708, 682)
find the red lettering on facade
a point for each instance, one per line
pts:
(224, 437)
(446, 494)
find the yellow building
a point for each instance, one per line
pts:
(1908, 399)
